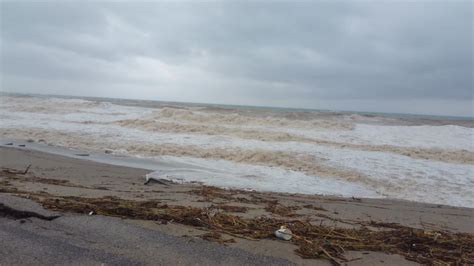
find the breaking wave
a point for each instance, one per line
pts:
(455, 156)
(236, 119)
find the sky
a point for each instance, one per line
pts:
(379, 56)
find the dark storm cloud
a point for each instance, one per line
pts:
(376, 56)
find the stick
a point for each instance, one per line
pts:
(26, 170)
(333, 260)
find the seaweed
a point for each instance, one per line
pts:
(312, 207)
(281, 210)
(232, 208)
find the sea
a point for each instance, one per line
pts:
(350, 154)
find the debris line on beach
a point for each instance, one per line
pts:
(15, 171)
(312, 241)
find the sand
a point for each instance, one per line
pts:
(58, 176)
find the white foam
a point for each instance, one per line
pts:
(244, 176)
(402, 177)
(442, 137)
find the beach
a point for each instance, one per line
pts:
(74, 187)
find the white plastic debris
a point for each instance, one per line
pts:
(91, 213)
(283, 233)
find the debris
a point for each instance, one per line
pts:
(283, 233)
(216, 237)
(281, 210)
(22, 145)
(82, 154)
(161, 181)
(9, 144)
(356, 199)
(91, 213)
(108, 151)
(231, 208)
(16, 172)
(30, 141)
(385, 225)
(313, 240)
(316, 208)
(101, 188)
(211, 193)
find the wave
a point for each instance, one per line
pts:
(48, 105)
(170, 127)
(390, 176)
(453, 156)
(237, 119)
(288, 160)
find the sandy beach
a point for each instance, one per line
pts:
(131, 234)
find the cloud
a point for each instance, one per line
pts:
(369, 56)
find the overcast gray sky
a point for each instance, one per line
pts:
(387, 56)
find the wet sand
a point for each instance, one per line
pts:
(141, 241)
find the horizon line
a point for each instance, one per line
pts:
(298, 109)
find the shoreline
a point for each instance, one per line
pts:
(77, 183)
(149, 166)
(145, 166)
